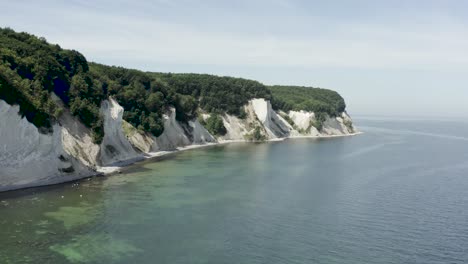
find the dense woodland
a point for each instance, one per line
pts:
(32, 70)
(306, 98)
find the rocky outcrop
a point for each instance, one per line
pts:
(29, 158)
(175, 135)
(141, 141)
(341, 125)
(275, 126)
(303, 123)
(236, 128)
(115, 147)
(199, 134)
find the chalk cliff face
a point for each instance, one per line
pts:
(275, 126)
(302, 120)
(115, 147)
(29, 158)
(175, 135)
(338, 126)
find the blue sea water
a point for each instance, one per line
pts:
(396, 194)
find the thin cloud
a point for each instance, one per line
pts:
(437, 45)
(364, 55)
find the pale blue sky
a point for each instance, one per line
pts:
(406, 58)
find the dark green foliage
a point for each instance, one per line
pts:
(143, 97)
(320, 118)
(87, 112)
(34, 114)
(311, 99)
(288, 119)
(214, 124)
(242, 113)
(32, 69)
(256, 135)
(186, 107)
(214, 93)
(349, 125)
(154, 102)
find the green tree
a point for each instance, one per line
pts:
(215, 125)
(154, 102)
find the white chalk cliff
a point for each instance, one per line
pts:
(115, 147)
(30, 158)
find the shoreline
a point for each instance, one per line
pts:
(123, 165)
(118, 167)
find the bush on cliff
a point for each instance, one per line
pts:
(214, 124)
(31, 69)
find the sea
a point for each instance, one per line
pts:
(397, 193)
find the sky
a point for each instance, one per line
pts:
(394, 58)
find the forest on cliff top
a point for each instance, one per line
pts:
(31, 70)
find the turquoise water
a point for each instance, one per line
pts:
(396, 194)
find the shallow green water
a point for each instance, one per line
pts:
(388, 196)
